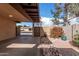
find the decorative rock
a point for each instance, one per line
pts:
(51, 51)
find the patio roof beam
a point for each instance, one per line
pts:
(30, 9)
(21, 10)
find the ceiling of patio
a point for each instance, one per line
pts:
(10, 13)
(29, 10)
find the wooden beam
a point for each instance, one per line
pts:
(33, 13)
(35, 16)
(21, 10)
(36, 20)
(26, 9)
(29, 4)
(30, 7)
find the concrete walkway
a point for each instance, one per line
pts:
(65, 47)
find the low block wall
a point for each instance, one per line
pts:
(67, 30)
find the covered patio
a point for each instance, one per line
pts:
(38, 44)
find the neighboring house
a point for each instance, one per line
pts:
(26, 28)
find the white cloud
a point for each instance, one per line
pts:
(61, 20)
(74, 21)
(46, 21)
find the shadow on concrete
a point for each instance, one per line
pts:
(68, 52)
(33, 50)
(13, 50)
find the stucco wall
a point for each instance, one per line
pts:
(7, 29)
(45, 30)
(75, 27)
(67, 31)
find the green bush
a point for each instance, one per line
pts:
(63, 37)
(76, 39)
(76, 42)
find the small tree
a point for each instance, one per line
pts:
(56, 31)
(56, 14)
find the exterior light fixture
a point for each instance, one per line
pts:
(10, 15)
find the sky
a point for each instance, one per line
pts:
(45, 9)
(25, 23)
(45, 14)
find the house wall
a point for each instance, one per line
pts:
(68, 31)
(7, 28)
(75, 27)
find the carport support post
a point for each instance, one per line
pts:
(36, 29)
(18, 30)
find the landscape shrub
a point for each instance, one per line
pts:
(76, 39)
(56, 32)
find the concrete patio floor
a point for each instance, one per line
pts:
(29, 46)
(20, 46)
